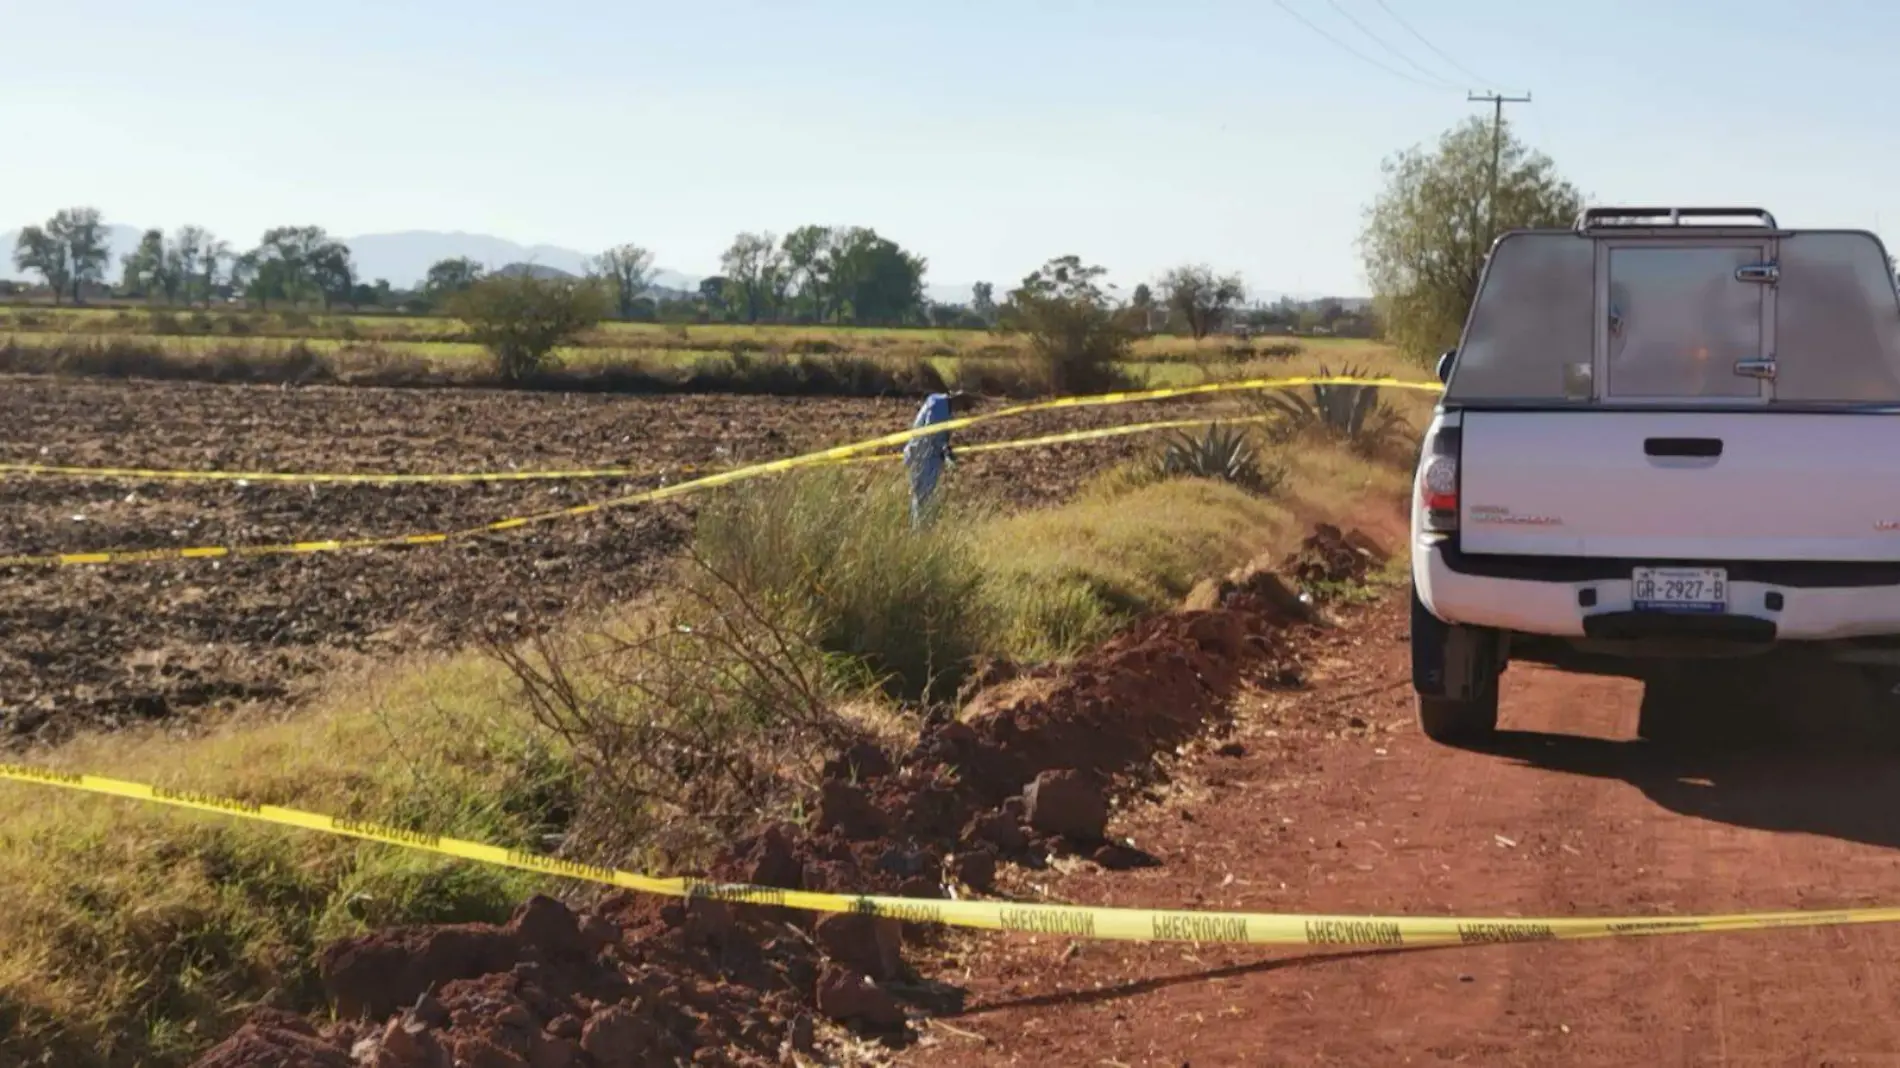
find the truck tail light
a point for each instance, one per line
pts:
(1440, 480)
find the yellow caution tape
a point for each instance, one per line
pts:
(1062, 921)
(848, 452)
(1071, 436)
(381, 478)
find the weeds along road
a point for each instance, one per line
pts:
(1335, 803)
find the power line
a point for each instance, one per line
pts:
(1376, 39)
(1343, 46)
(1440, 53)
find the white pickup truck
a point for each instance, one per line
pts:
(1666, 433)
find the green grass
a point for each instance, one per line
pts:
(137, 934)
(1061, 580)
(227, 324)
(899, 600)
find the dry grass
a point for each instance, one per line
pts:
(228, 322)
(727, 357)
(773, 371)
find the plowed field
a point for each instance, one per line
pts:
(118, 644)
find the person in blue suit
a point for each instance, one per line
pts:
(926, 456)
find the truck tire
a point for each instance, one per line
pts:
(1455, 673)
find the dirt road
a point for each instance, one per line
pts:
(1335, 803)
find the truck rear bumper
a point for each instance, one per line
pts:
(1520, 601)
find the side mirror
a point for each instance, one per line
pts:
(1444, 365)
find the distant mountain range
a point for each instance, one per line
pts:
(405, 258)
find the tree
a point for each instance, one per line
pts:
(448, 277)
(182, 257)
(1427, 235)
(87, 253)
(1201, 298)
(983, 301)
(753, 265)
(808, 266)
(712, 291)
(296, 263)
(144, 270)
(333, 273)
(38, 251)
(258, 280)
(1143, 305)
(1075, 326)
(68, 252)
(521, 319)
(877, 280)
(629, 272)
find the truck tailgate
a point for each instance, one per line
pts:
(1681, 485)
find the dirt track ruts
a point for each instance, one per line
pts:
(1339, 805)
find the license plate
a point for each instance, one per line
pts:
(1679, 589)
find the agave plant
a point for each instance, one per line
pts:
(1346, 412)
(1217, 452)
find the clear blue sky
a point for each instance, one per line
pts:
(986, 134)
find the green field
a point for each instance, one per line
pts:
(41, 323)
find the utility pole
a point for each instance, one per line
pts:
(1497, 103)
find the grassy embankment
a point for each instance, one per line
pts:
(141, 935)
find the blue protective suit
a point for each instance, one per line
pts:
(926, 456)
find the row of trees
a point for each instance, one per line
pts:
(1424, 246)
(291, 264)
(820, 274)
(814, 274)
(1078, 329)
(68, 252)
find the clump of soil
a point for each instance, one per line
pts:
(1029, 768)
(1330, 558)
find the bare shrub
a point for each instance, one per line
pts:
(689, 724)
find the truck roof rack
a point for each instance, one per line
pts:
(1614, 217)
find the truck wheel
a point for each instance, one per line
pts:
(1455, 673)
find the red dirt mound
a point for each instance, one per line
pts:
(1027, 769)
